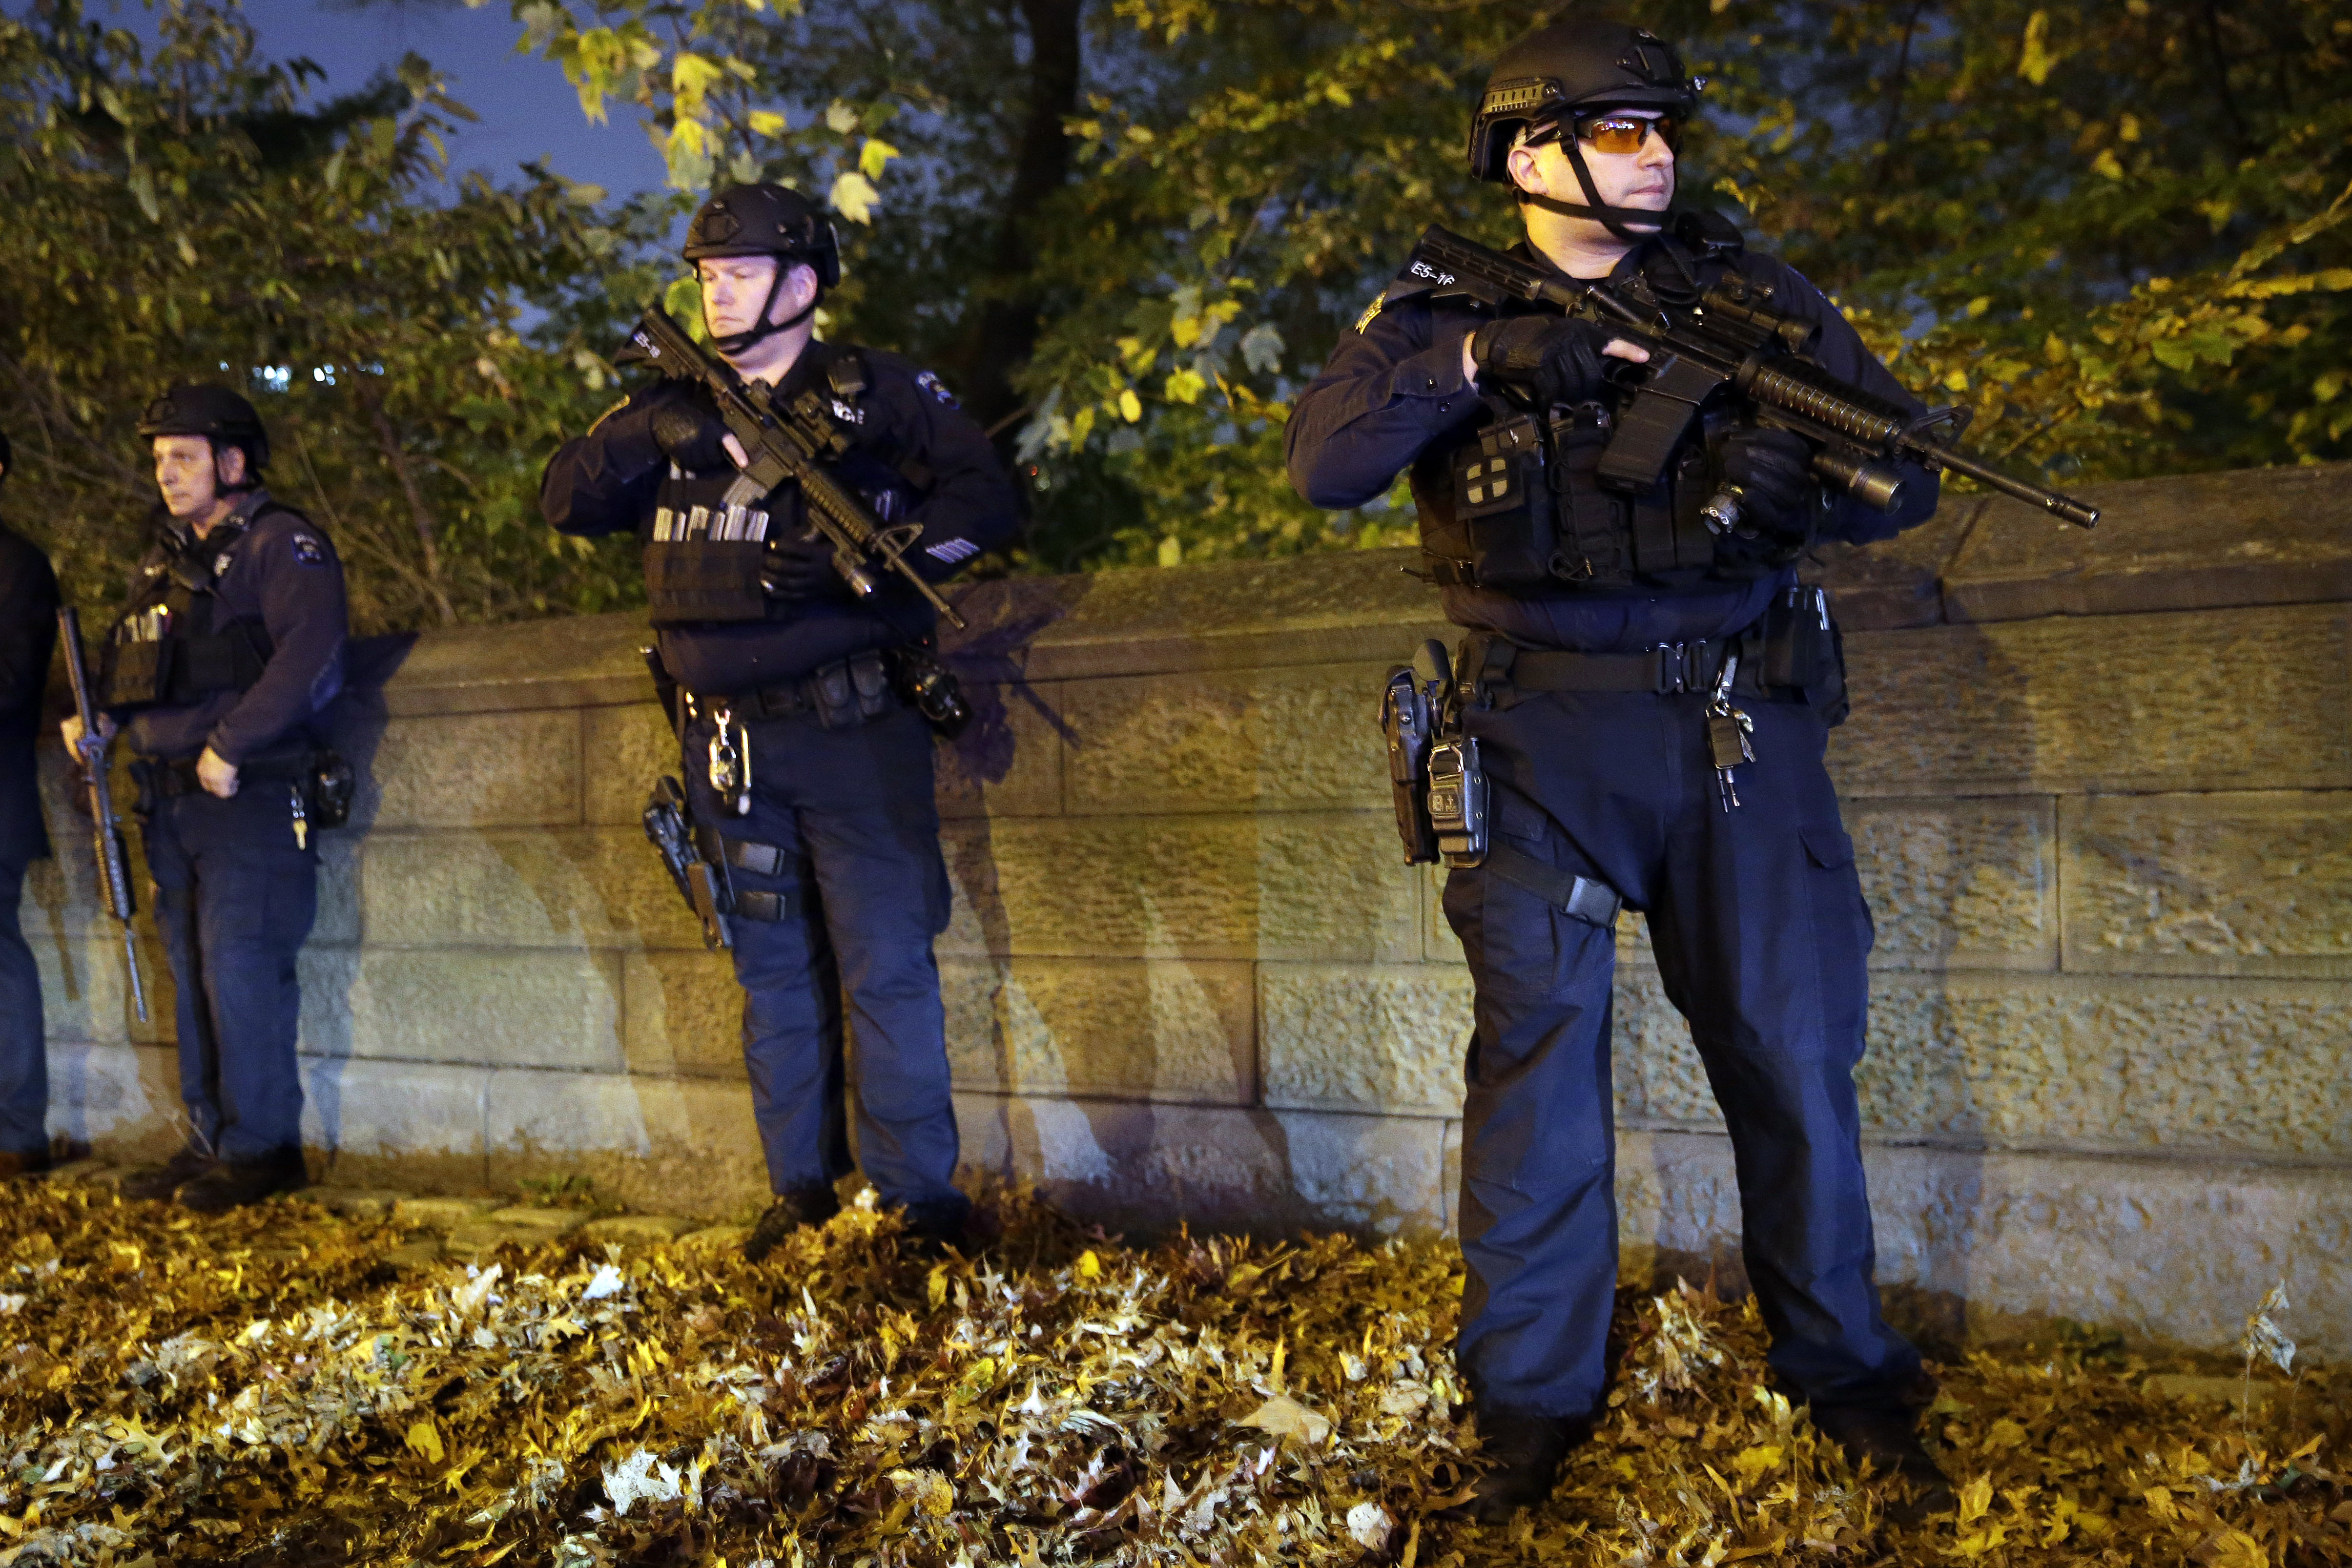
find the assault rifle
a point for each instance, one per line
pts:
(1733, 342)
(789, 441)
(105, 833)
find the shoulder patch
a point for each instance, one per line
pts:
(308, 551)
(1372, 311)
(930, 383)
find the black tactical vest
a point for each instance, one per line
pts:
(173, 646)
(703, 555)
(1515, 503)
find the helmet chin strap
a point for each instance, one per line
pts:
(1616, 220)
(736, 342)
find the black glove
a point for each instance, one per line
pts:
(1773, 468)
(800, 567)
(690, 435)
(1559, 360)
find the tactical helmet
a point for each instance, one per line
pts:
(215, 413)
(1589, 62)
(765, 220)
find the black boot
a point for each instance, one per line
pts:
(933, 1228)
(812, 1204)
(1886, 1433)
(158, 1185)
(233, 1183)
(1523, 1452)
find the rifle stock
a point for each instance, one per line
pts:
(106, 833)
(788, 443)
(1752, 351)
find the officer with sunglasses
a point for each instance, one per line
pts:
(1606, 633)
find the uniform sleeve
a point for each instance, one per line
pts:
(603, 482)
(304, 610)
(970, 506)
(28, 625)
(1843, 354)
(1389, 388)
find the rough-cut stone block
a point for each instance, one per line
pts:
(361, 1111)
(474, 770)
(683, 1013)
(2256, 883)
(1156, 1029)
(86, 986)
(2164, 1250)
(1233, 615)
(2229, 1067)
(440, 1213)
(680, 1143)
(2267, 536)
(1151, 1165)
(714, 1239)
(528, 1216)
(1223, 742)
(1655, 1066)
(355, 1203)
(1897, 581)
(566, 887)
(545, 1008)
(627, 748)
(120, 1096)
(2218, 699)
(1302, 885)
(561, 661)
(1008, 762)
(1959, 884)
(636, 1229)
(1360, 1039)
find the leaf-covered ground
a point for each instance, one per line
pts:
(271, 1387)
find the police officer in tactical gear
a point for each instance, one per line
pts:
(809, 774)
(219, 670)
(28, 635)
(1602, 627)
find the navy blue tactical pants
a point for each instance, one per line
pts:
(235, 899)
(23, 1054)
(865, 892)
(1760, 930)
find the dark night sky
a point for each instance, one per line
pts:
(527, 108)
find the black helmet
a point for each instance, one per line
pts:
(765, 220)
(1545, 78)
(214, 413)
(1591, 62)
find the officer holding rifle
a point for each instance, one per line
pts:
(219, 671)
(1636, 716)
(799, 681)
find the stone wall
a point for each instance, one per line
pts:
(2101, 785)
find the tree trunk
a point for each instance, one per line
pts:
(1001, 340)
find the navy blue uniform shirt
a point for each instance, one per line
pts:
(1394, 386)
(285, 574)
(606, 481)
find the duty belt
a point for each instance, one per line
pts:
(169, 780)
(1670, 667)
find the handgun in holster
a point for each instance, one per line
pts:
(1408, 721)
(702, 884)
(669, 827)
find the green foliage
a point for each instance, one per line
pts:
(178, 215)
(2115, 230)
